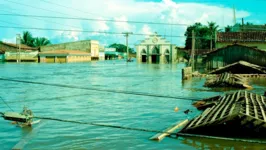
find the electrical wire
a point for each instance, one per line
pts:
(103, 90)
(148, 130)
(6, 104)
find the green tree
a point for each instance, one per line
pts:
(228, 28)
(40, 42)
(204, 35)
(121, 48)
(213, 28)
(27, 39)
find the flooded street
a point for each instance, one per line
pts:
(127, 110)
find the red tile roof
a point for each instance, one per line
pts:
(22, 46)
(241, 37)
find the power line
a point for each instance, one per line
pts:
(102, 90)
(43, 20)
(69, 7)
(101, 32)
(88, 31)
(6, 104)
(93, 19)
(39, 8)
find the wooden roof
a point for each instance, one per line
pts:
(236, 112)
(256, 68)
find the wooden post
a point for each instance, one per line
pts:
(169, 130)
(193, 50)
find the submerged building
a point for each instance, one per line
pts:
(80, 49)
(156, 49)
(14, 53)
(64, 56)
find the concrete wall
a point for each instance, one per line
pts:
(24, 56)
(90, 46)
(78, 58)
(69, 59)
(261, 46)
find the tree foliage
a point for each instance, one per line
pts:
(121, 48)
(41, 42)
(31, 41)
(203, 35)
(27, 38)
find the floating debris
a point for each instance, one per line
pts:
(241, 67)
(227, 80)
(25, 118)
(240, 114)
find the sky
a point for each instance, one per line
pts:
(179, 13)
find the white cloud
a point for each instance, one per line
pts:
(146, 30)
(166, 11)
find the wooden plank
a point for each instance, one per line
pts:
(247, 103)
(214, 110)
(221, 107)
(168, 131)
(24, 141)
(255, 107)
(261, 108)
(229, 104)
(262, 99)
(233, 107)
(204, 115)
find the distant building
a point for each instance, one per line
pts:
(64, 56)
(251, 39)
(13, 54)
(111, 53)
(234, 53)
(89, 46)
(248, 28)
(156, 49)
(101, 53)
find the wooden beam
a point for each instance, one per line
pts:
(168, 131)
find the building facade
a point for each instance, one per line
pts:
(15, 53)
(235, 53)
(156, 49)
(89, 46)
(64, 56)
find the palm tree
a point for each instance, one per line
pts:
(41, 42)
(212, 29)
(27, 38)
(228, 28)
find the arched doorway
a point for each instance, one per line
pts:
(155, 56)
(167, 56)
(143, 56)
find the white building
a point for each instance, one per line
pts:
(156, 49)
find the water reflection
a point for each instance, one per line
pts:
(205, 144)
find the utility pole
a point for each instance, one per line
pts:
(193, 51)
(126, 35)
(18, 41)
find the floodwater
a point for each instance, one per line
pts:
(135, 111)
